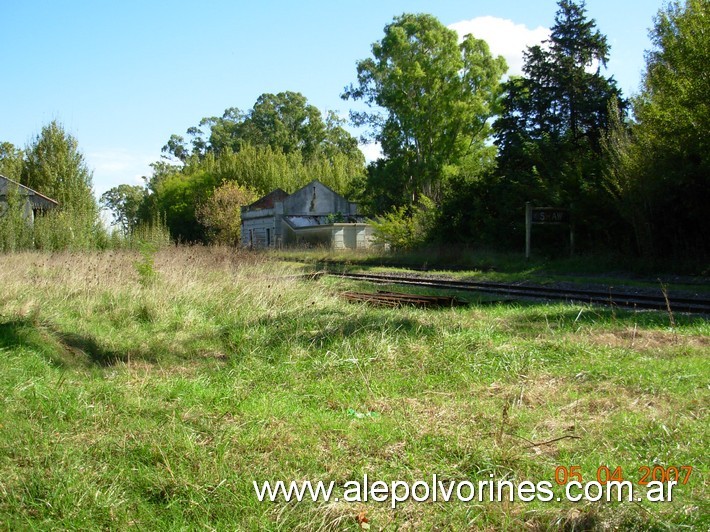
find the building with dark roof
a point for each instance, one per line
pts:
(33, 201)
(313, 215)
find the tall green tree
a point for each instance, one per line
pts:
(284, 122)
(674, 101)
(55, 167)
(626, 181)
(124, 202)
(553, 119)
(669, 156)
(430, 101)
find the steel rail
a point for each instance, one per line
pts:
(611, 297)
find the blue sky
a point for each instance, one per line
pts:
(123, 76)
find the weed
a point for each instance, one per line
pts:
(145, 267)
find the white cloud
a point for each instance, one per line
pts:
(114, 167)
(116, 161)
(504, 37)
(371, 150)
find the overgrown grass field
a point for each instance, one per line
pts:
(150, 392)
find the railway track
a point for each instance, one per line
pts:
(610, 297)
(397, 299)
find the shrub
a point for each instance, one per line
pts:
(15, 225)
(221, 212)
(406, 228)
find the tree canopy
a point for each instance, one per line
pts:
(284, 122)
(283, 141)
(462, 150)
(430, 100)
(124, 202)
(662, 174)
(554, 114)
(553, 118)
(11, 161)
(221, 212)
(54, 166)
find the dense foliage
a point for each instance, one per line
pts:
(549, 132)
(11, 161)
(670, 151)
(633, 186)
(53, 165)
(281, 142)
(284, 122)
(430, 100)
(221, 212)
(124, 202)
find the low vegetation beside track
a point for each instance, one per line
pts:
(151, 389)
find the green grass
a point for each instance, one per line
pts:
(155, 405)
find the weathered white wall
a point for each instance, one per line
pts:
(312, 236)
(258, 227)
(315, 199)
(352, 236)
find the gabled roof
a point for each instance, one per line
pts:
(267, 202)
(313, 182)
(279, 195)
(38, 201)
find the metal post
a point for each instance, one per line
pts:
(571, 230)
(528, 227)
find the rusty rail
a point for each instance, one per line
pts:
(397, 299)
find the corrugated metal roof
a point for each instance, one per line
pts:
(298, 221)
(303, 221)
(267, 202)
(38, 201)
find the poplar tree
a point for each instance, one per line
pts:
(11, 161)
(55, 167)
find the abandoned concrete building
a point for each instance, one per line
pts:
(33, 201)
(314, 215)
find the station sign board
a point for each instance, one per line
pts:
(546, 216)
(549, 215)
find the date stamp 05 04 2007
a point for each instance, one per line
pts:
(605, 474)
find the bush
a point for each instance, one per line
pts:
(154, 232)
(15, 224)
(405, 228)
(221, 212)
